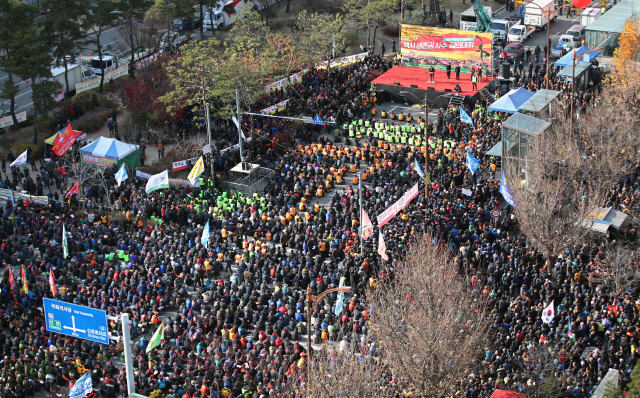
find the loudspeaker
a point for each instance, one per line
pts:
(447, 90)
(431, 88)
(396, 83)
(506, 70)
(414, 86)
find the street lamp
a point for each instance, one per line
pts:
(550, 14)
(316, 300)
(573, 77)
(427, 107)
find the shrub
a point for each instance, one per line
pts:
(351, 39)
(92, 123)
(19, 148)
(391, 31)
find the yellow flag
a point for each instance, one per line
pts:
(198, 168)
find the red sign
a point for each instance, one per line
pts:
(64, 141)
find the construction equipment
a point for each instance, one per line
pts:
(484, 19)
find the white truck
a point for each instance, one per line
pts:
(500, 27)
(565, 42)
(226, 14)
(537, 13)
(519, 33)
(589, 14)
(76, 73)
(469, 20)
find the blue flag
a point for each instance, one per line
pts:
(121, 175)
(339, 304)
(416, 167)
(472, 163)
(505, 191)
(464, 118)
(82, 388)
(205, 235)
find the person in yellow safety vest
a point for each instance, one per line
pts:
(383, 114)
(397, 138)
(409, 118)
(401, 116)
(358, 134)
(339, 179)
(351, 132)
(403, 139)
(386, 145)
(352, 168)
(380, 143)
(355, 179)
(365, 175)
(319, 192)
(392, 115)
(375, 134)
(373, 111)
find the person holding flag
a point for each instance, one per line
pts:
(205, 235)
(548, 314)
(367, 226)
(65, 247)
(22, 159)
(121, 175)
(52, 282)
(25, 286)
(473, 164)
(156, 339)
(417, 168)
(73, 190)
(464, 117)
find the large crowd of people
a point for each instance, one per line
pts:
(233, 309)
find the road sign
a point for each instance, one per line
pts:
(318, 120)
(495, 213)
(307, 119)
(76, 320)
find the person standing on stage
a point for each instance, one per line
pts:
(432, 73)
(474, 82)
(449, 70)
(457, 72)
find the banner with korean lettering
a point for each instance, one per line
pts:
(95, 83)
(183, 164)
(395, 208)
(280, 106)
(423, 47)
(8, 120)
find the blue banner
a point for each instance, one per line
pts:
(82, 388)
(416, 167)
(205, 235)
(464, 118)
(472, 163)
(505, 191)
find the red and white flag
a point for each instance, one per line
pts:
(367, 226)
(72, 190)
(52, 282)
(11, 280)
(382, 248)
(64, 140)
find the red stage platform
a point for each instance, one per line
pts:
(420, 77)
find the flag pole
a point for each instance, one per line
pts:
(361, 211)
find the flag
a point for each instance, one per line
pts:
(22, 159)
(73, 190)
(416, 167)
(82, 387)
(571, 334)
(52, 282)
(158, 181)
(157, 337)
(505, 191)
(367, 226)
(63, 142)
(205, 235)
(548, 313)
(382, 248)
(339, 304)
(121, 175)
(472, 163)
(65, 247)
(197, 170)
(526, 171)
(464, 118)
(25, 287)
(11, 280)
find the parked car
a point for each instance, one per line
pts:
(512, 51)
(181, 25)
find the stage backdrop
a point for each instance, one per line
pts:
(422, 47)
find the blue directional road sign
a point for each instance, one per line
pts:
(317, 120)
(76, 320)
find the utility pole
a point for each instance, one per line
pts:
(213, 176)
(427, 175)
(239, 125)
(361, 212)
(128, 352)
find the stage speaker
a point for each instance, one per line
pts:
(414, 86)
(447, 90)
(396, 83)
(431, 88)
(506, 70)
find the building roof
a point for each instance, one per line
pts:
(613, 20)
(540, 100)
(527, 124)
(568, 71)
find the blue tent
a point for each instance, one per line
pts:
(108, 151)
(512, 101)
(567, 60)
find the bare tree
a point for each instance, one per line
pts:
(567, 175)
(615, 268)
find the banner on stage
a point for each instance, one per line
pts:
(423, 47)
(395, 208)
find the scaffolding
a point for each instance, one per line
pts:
(248, 178)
